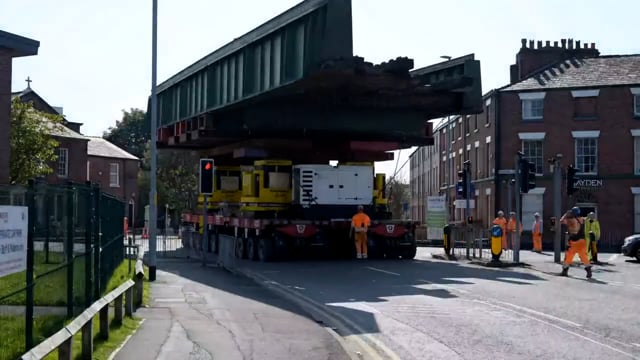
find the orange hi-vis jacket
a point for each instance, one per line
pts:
(502, 222)
(360, 222)
(511, 226)
(536, 229)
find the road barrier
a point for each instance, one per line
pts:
(130, 291)
(472, 243)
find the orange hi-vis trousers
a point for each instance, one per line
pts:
(361, 242)
(576, 247)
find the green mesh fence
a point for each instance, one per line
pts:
(75, 242)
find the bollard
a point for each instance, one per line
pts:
(139, 278)
(447, 239)
(496, 243)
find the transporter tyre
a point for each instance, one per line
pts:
(409, 253)
(252, 248)
(265, 250)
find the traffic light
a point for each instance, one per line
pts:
(206, 176)
(571, 179)
(462, 184)
(527, 175)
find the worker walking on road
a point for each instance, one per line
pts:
(502, 222)
(592, 225)
(359, 226)
(511, 228)
(577, 243)
(536, 232)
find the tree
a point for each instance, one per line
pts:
(131, 133)
(33, 146)
(398, 195)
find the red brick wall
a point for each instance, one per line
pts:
(77, 152)
(5, 110)
(615, 149)
(99, 170)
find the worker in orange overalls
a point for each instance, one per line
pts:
(359, 226)
(502, 222)
(577, 243)
(511, 228)
(536, 232)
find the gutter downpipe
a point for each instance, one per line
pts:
(497, 153)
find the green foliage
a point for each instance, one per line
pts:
(131, 133)
(398, 193)
(33, 147)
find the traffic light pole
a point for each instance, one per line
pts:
(467, 212)
(516, 235)
(557, 211)
(205, 229)
(153, 198)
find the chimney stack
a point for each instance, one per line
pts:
(524, 43)
(593, 45)
(577, 44)
(570, 44)
(531, 44)
(555, 44)
(585, 46)
(564, 43)
(539, 44)
(548, 44)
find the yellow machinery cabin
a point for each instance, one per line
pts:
(227, 187)
(267, 186)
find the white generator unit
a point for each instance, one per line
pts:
(332, 185)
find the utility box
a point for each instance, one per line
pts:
(329, 185)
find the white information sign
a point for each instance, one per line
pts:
(14, 222)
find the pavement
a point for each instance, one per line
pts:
(436, 309)
(203, 313)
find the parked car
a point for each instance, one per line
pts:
(631, 246)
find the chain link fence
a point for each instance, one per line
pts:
(74, 244)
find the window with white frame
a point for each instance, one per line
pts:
(533, 151)
(636, 151)
(114, 175)
(63, 162)
(635, 92)
(587, 155)
(532, 106)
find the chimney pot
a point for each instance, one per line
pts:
(593, 45)
(570, 44)
(577, 44)
(555, 44)
(524, 43)
(539, 44)
(564, 43)
(586, 46)
(548, 43)
(531, 44)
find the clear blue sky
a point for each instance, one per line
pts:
(95, 57)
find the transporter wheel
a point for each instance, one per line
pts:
(240, 248)
(409, 253)
(265, 250)
(252, 248)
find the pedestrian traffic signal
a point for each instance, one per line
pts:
(571, 179)
(206, 177)
(527, 175)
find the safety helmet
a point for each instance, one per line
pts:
(575, 210)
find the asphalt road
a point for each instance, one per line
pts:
(207, 313)
(432, 309)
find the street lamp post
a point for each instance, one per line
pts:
(449, 174)
(153, 199)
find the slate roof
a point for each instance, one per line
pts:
(580, 73)
(98, 146)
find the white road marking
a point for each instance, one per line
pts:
(442, 286)
(535, 312)
(565, 330)
(635, 344)
(383, 271)
(613, 257)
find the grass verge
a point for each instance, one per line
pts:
(12, 326)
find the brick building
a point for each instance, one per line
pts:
(113, 168)
(72, 150)
(11, 46)
(562, 99)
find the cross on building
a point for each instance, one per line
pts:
(28, 80)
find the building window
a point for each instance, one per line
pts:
(114, 175)
(636, 209)
(587, 155)
(532, 105)
(636, 105)
(636, 152)
(533, 151)
(476, 162)
(532, 109)
(63, 162)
